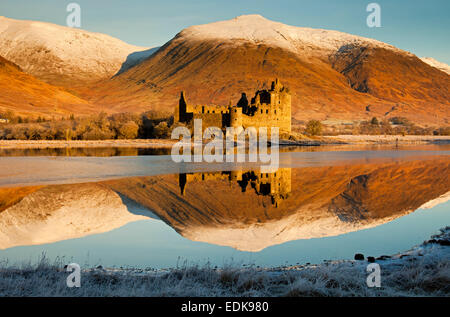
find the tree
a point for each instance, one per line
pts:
(374, 121)
(129, 130)
(161, 130)
(313, 127)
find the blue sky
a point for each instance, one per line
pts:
(421, 27)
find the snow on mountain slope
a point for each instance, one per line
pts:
(62, 55)
(436, 64)
(331, 75)
(258, 30)
(62, 212)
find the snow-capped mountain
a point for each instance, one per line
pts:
(63, 55)
(256, 29)
(332, 75)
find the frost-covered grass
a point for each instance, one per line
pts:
(421, 271)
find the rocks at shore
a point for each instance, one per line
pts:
(359, 257)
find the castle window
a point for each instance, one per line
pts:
(203, 109)
(214, 111)
(261, 111)
(275, 111)
(267, 111)
(235, 110)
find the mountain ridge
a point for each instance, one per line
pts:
(215, 65)
(62, 55)
(332, 75)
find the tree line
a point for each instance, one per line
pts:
(151, 124)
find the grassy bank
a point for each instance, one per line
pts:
(42, 144)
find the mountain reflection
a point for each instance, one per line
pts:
(245, 209)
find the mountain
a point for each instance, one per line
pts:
(439, 65)
(332, 75)
(65, 56)
(25, 94)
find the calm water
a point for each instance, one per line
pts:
(147, 211)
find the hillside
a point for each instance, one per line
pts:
(441, 66)
(332, 75)
(25, 94)
(62, 55)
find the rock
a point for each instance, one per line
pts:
(384, 257)
(359, 257)
(371, 259)
(444, 242)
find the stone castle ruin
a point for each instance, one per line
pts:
(276, 185)
(268, 108)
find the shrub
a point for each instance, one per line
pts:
(400, 120)
(161, 130)
(374, 121)
(128, 130)
(313, 127)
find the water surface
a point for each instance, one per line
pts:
(147, 211)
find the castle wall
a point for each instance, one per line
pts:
(273, 109)
(212, 119)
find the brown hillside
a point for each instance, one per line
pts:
(332, 75)
(392, 83)
(24, 94)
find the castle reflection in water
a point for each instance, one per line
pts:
(277, 185)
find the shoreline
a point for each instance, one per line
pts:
(424, 270)
(390, 139)
(128, 143)
(167, 143)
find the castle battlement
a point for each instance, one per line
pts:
(276, 185)
(268, 108)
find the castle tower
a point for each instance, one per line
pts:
(180, 115)
(276, 85)
(182, 182)
(280, 102)
(235, 116)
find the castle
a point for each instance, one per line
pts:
(276, 185)
(268, 108)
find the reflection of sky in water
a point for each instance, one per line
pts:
(16, 171)
(151, 243)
